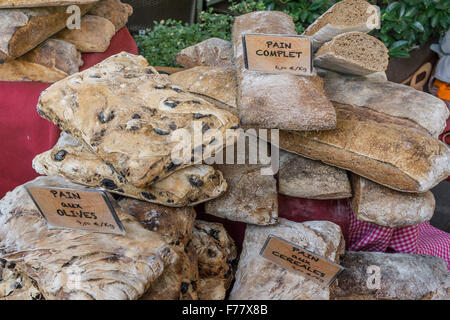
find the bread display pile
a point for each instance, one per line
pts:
(345, 132)
(37, 45)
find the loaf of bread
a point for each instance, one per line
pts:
(344, 16)
(282, 101)
(402, 277)
(385, 207)
(353, 53)
(16, 285)
(305, 178)
(94, 36)
(23, 29)
(213, 52)
(260, 279)
(127, 113)
(185, 187)
(51, 61)
(104, 266)
(387, 97)
(41, 3)
(216, 253)
(215, 83)
(113, 10)
(376, 146)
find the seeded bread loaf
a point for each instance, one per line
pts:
(79, 265)
(385, 207)
(51, 61)
(113, 10)
(127, 113)
(211, 52)
(389, 98)
(211, 83)
(376, 146)
(353, 53)
(402, 277)
(260, 279)
(41, 3)
(185, 187)
(282, 101)
(23, 29)
(344, 16)
(304, 178)
(94, 36)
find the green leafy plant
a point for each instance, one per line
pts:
(407, 24)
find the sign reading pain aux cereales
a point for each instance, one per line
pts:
(278, 53)
(89, 210)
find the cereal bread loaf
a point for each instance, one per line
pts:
(260, 279)
(402, 101)
(41, 3)
(353, 53)
(213, 52)
(185, 187)
(282, 101)
(378, 147)
(129, 115)
(50, 61)
(94, 36)
(104, 266)
(23, 29)
(402, 277)
(113, 10)
(344, 16)
(305, 178)
(385, 207)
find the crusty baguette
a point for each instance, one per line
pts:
(51, 61)
(282, 101)
(23, 29)
(94, 35)
(41, 3)
(344, 16)
(305, 178)
(389, 98)
(211, 52)
(113, 10)
(353, 53)
(377, 147)
(377, 204)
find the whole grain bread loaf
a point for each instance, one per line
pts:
(282, 101)
(23, 29)
(41, 3)
(260, 279)
(378, 147)
(305, 178)
(211, 52)
(385, 207)
(94, 36)
(113, 10)
(390, 98)
(50, 61)
(127, 113)
(344, 16)
(353, 53)
(401, 277)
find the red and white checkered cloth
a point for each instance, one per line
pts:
(420, 239)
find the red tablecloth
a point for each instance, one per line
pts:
(23, 132)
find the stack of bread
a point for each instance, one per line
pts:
(43, 40)
(344, 132)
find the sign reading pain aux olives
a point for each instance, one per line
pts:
(278, 53)
(83, 209)
(299, 260)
